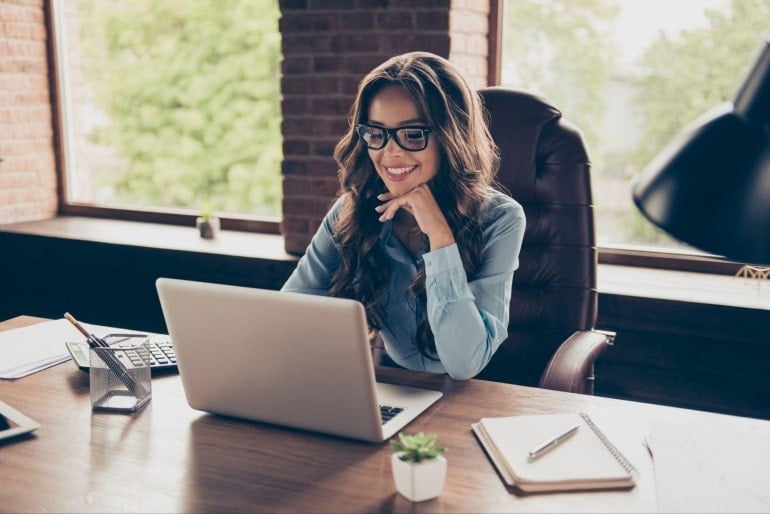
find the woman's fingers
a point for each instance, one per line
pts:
(388, 210)
(410, 202)
(421, 204)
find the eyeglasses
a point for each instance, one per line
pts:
(411, 138)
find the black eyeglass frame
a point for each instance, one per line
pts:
(393, 132)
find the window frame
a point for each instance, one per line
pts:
(618, 255)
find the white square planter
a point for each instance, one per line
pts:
(419, 481)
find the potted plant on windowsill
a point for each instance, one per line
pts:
(207, 223)
(419, 466)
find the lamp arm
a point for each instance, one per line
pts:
(753, 97)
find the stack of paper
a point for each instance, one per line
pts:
(33, 348)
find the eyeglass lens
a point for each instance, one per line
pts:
(408, 138)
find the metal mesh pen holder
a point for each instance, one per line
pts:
(120, 377)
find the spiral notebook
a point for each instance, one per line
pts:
(584, 460)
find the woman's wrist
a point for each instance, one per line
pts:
(441, 239)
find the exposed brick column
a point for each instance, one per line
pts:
(328, 46)
(28, 187)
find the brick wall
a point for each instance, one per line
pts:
(28, 188)
(328, 46)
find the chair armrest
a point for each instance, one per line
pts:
(571, 368)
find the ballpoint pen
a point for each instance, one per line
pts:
(109, 359)
(550, 443)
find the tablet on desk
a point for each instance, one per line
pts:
(14, 423)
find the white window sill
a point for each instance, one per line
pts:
(156, 235)
(684, 286)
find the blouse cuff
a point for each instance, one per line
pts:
(441, 260)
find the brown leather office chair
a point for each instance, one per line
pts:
(552, 341)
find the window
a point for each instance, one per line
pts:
(630, 74)
(170, 107)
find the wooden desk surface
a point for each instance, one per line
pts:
(170, 458)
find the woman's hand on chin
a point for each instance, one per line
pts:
(420, 203)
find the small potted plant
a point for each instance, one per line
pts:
(207, 223)
(419, 466)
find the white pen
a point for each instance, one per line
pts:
(546, 445)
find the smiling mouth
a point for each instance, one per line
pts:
(399, 173)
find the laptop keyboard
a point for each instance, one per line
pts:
(387, 412)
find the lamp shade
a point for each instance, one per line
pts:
(710, 187)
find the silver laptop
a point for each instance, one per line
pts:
(289, 359)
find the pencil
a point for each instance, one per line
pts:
(69, 317)
(92, 339)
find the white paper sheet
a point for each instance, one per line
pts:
(25, 350)
(704, 469)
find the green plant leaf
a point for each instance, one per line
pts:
(416, 447)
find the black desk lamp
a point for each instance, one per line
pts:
(711, 186)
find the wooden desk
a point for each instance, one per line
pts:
(170, 458)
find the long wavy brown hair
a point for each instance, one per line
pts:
(468, 164)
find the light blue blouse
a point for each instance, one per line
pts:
(468, 315)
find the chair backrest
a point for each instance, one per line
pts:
(545, 167)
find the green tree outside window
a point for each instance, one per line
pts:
(190, 90)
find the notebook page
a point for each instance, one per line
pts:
(583, 458)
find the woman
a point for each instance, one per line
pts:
(418, 234)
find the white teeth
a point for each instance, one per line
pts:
(399, 171)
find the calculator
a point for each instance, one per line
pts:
(162, 356)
